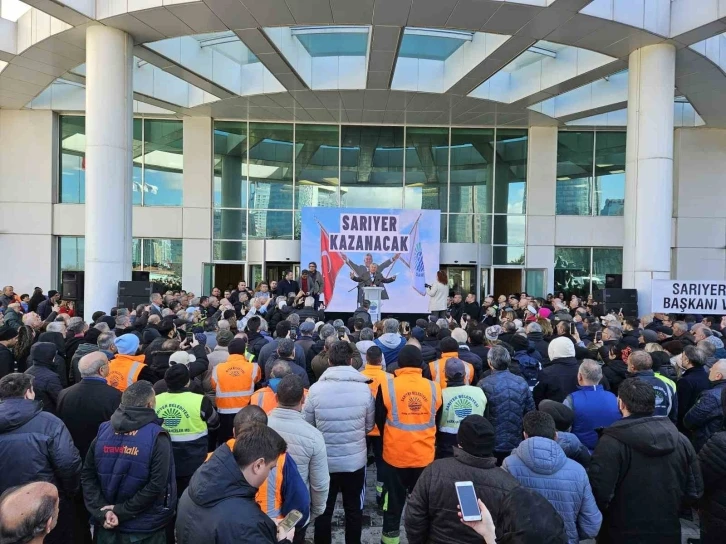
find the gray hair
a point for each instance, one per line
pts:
(309, 302)
(390, 325)
(89, 369)
(442, 324)
(326, 331)
(329, 341)
(707, 348)
(294, 320)
(615, 334)
(223, 325)
(285, 347)
(590, 371)
(367, 334)
(56, 326)
(106, 340)
(102, 326)
(680, 326)
(76, 325)
(122, 320)
(498, 357)
(194, 302)
(509, 327)
(695, 355)
(280, 369)
(338, 323)
(534, 327)
(263, 324)
(166, 312)
(640, 360)
(459, 335)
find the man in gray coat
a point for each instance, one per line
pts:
(305, 444)
(341, 406)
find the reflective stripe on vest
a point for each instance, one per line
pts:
(394, 422)
(269, 495)
(181, 413)
(440, 370)
(233, 394)
(132, 373)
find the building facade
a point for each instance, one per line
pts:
(184, 140)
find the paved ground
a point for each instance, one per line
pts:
(373, 520)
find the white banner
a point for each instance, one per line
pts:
(686, 297)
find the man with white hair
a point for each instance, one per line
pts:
(77, 328)
(308, 311)
(465, 353)
(390, 342)
(707, 416)
(592, 405)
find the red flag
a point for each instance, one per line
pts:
(331, 263)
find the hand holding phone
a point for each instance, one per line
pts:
(289, 521)
(467, 501)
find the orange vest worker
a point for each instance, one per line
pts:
(266, 399)
(377, 375)
(234, 380)
(439, 375)
(409, 434)
(124, 368)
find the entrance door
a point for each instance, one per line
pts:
(462, 279)
(507, 281)
(536, 282)
(227, 276)
(207, 279)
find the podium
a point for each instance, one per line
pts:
(373, 294)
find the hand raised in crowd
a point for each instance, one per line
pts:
(485, 527)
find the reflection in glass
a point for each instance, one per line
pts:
(316, 166)
(371, 167)
(163, 162)
(574, 172)
(230, 169)
(472, 170)
(509, 229)
(270, 166)
(508, 255)
(72, 251)
(511, 177)
(609, 173)
(229, 251)
(230, 224)
(73, 158)
(427, 162)
(605, 261)
(534, 281)
(470, 228)
(270, 225)
(163, 258)
(572, 270)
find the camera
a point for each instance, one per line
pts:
(427, 286)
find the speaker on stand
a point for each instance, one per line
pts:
(72, 289)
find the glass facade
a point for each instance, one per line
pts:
(162, 258)
(582, 270)
(264, 173)
(590, 173)
(157, 154)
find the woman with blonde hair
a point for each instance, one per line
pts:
(547, 330)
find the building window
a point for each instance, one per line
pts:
(590, 173)
(582, 270)
(71, 254)
(158, 161)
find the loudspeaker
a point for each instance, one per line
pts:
(140, 275)
(131, 301)
(613, 281)
(629, 309)
(615, 296)
(135, 288)
(72, 285)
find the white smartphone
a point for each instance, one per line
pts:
(467, 501)
(290, 520)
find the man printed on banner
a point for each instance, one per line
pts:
(361, 270)
(372, 278)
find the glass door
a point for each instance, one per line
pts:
(535, 282)
(207, 278)
(462, 279)
(484, 285)
(256, 275)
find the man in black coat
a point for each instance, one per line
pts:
(46, 382)
(560, 378)
(712, 507)
(83, 407)
(373, 278)
(8, 338)
(430, 515)
(287, 285)
(642, 472)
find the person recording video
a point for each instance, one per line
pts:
(439, 293)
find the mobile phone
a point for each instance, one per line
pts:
(293, 333)
(465, 317)
(598, 336)
(572, 328)
(190, 335)
(290, 520)
(467, 501)
(341, 332)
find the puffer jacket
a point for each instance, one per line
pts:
(306, 445)
(712, 506)
(429, 515)
(39, 447)
(573, 448)
(391, 344)
(529, 366)
(46, 382)
(706, 416)
(540, 464)
(340, 406)
(508, 399)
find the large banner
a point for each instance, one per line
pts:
(685, 297)
(356, 247)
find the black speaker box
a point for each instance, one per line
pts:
(131, 301)
(614, 296)
(629, 309)
(613, 281)
(135, 289)
(72, 285)
(140, 275)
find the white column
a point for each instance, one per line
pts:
(649, 170)
(109, 132)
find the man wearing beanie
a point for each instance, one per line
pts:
(459, 401)
(431, 515)
(570, 444)
(127, 367)
(407, 407)
(187, 416)
(559, 379)
(233, 383)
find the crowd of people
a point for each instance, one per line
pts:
(209, 419)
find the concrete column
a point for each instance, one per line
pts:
(109, 131)
(649, 170)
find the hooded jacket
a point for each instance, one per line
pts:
(712, 506)
(340, 406)
(60, 362)
(219, 506)
(391, 344)
(46, 382)
(616, 371)
(508, 399)
(83, 349)
(706, 416)
(573, 448)
(541, 465)
(429, 515)
(38, 446)
(642, 472)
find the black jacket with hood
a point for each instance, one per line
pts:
(60, 358)
(712, 507)
(219, 506)
(46, 382)
(642, 472)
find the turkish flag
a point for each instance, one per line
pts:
(331, 263)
